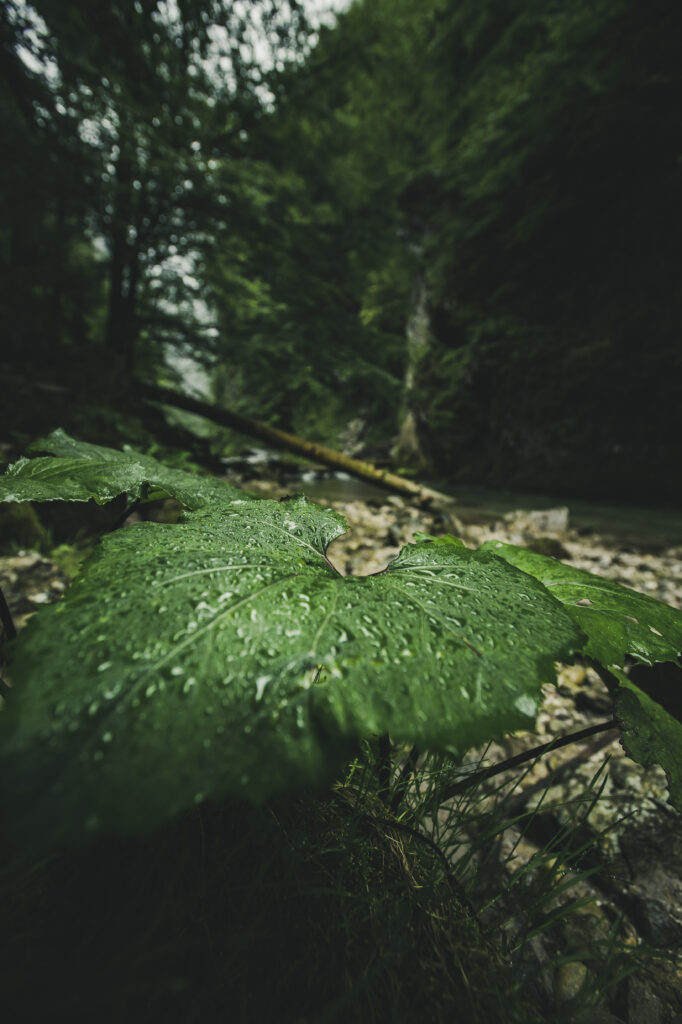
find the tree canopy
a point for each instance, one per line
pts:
(287, 204)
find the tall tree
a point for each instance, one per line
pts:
(332, 249)
(50, 284)
(156, 94)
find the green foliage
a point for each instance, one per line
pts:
(619, 623)
(650, 734)
(69, 558)
(312, 322)
(532, 167)
(169, 187)
(552, 247)
(225, 655)
(133, 121)
(616, 621)
(85, 471)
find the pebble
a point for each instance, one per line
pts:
(569, 979)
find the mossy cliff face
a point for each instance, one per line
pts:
(512, 405)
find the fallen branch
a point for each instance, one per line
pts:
(290, 442)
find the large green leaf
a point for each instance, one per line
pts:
(224, 655)
(81, 471)
(617, 621)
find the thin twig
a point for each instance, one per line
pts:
(527, 755)
(515, 803)
(6, 618)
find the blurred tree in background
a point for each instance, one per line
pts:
(555, 251)
(123, 116)
(458, 221)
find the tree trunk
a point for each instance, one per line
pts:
(123, 270)
(315, 452)
(408, 450)
(58, 260)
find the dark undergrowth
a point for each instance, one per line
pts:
(308, 911)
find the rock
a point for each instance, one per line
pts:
(569, 979)
(349, 440)
(572, 678)
(652, 855)
(29, 580)
(550, 520)
(587, 923)
(655, 994)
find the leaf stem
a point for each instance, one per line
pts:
(331, 565)
(527, 755)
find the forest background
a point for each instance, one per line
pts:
(457, 223)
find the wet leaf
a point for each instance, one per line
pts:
(617, 621)
(78, 471)
(649, 734)
(447, 538)
(223, 655)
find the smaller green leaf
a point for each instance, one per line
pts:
(650, 735)
(448, 538)
(616, 620)
(80, 472)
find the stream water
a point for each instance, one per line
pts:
(643, 527)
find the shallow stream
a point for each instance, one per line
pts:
(646, 528)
